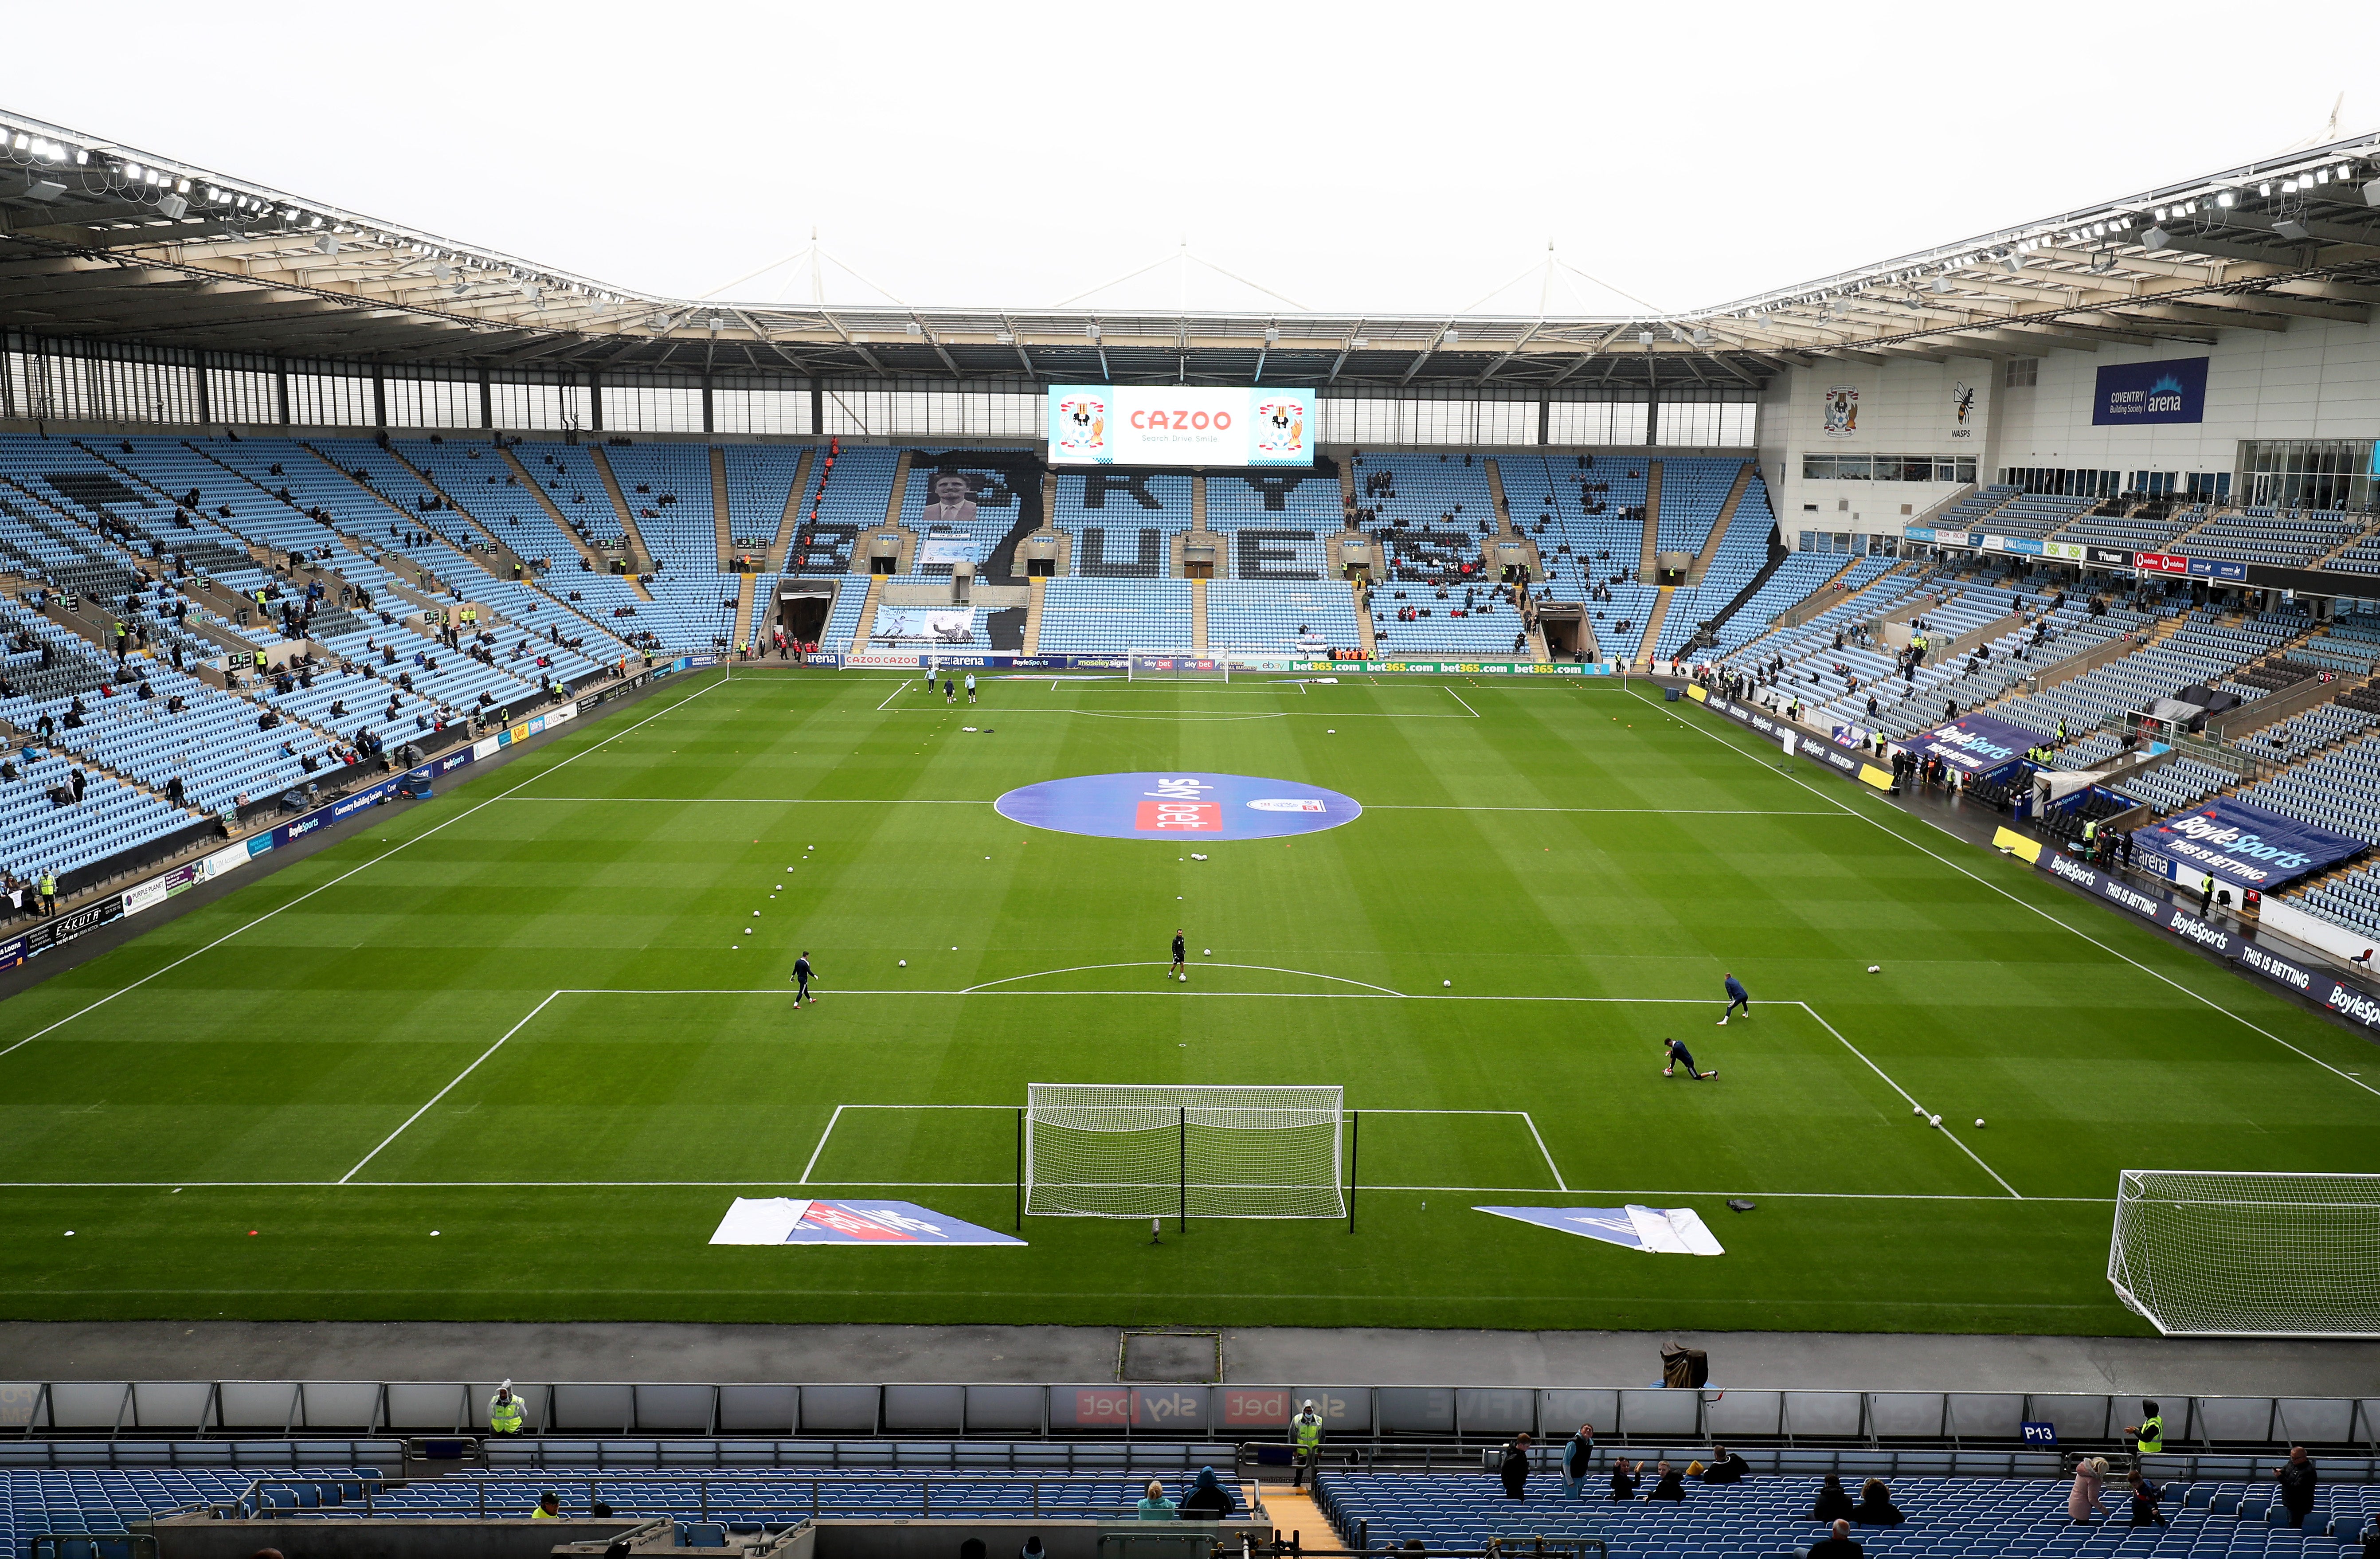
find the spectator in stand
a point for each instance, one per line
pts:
(1837, 1544)
(1624, 1476)
(1725, 1466)
(1833, 1504)
(1578, 1459)
(2090, 1484)
(1208, 1499)
(1155, 1506)
(1875, 1507)
(2148, 1502)
(1672, 1484)
(2298, 1480)
(1514, 1467)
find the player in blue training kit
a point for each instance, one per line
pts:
(1735, 998)
(1679, 1055)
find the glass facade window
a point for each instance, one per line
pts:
(1888, 468)
(2331, 473)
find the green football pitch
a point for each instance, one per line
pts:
(512, 1053)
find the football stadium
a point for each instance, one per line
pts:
(589, 938)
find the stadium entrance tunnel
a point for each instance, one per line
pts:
(1182, 808)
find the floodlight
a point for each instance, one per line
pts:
(1942, 283)
(1092, 330)
(2294, 231)
(132, 172)
(22, 141)
(173, 206)
(2013, 262)
(916, 329)
(327, 243)
(1452, 337)
(44, 189)
(718, 322)
(1272, 336)
(2224, 199)
(2263, 191)
(2157, 238)
(2371, 193)
(1643, 338)
(1702, 337)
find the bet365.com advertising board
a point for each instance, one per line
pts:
(1180, 425)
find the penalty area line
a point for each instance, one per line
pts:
(449, 1087)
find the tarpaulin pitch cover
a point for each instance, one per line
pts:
(1978, 743)
(1664, 1231)
(2242, 845)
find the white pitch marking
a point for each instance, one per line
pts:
(351, 872)
(831, 1121)
(449, 1087)
(1151, 964)
(1464, 701)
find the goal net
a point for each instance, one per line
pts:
(1176, 665)
(2217, 1254)
(1155, 1150)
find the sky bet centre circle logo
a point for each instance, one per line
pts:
(1177, 806)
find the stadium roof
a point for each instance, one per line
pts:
(104, 242)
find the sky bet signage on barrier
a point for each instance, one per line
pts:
(2140, 393)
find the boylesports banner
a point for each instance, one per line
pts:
(2241, 846)
(802, 1221)
(1977, 744)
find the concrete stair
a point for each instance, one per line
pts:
(1033, 587)
(1495, 492)
(1651, 522)
(586, 550)
(791, 526)
(641, 556)
(512, 564)
(1711, 542)
(1199, 617)
(745, 591)
(719, 508)
(867, 614)
(1653, 620)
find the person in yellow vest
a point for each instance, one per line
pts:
(1305, 1434)
(49, 892)
(505, 1411)
(2148, 1435)
(549, 1507)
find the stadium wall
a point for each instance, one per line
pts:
(1906, 408)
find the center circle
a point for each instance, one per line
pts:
(1177, 805)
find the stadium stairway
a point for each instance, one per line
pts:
(858, 645)
(789, 526)
(502, 550)
(743, 598)
(1652, 529)
(1033, 590)
(595, 560)
(720, 522)
(1495, 495)
(1642, 654)
(1717, 536)
(1199, 617)
(641, 556)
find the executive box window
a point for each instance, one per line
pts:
(2024, 373)
(1888, 468)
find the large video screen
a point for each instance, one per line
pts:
(1180, 425)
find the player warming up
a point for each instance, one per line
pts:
(1736, 997)
(1180, 957)
(970, 686)
(1675, 1056)
(801, 978)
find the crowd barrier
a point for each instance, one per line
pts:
(291, 1409)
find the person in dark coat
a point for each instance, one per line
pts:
(1671, 1487)
(1837, 1544)
(1208, 1499)
(1725, 1466)
(2148, 1502)
(1876, 1507)
(1624, 1479)
(1833, 1504)
(1514, 1468)
(2298, 1481)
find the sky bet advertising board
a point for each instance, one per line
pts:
(1180, 425)
(2136, 393)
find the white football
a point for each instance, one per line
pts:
(1875, 969)
(1450, 984)
(1933, 1120)
(1182, 978)
(1918, 1109)
(1207, 953)
(905, 963)
(1979, 1120)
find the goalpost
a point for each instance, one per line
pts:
(2204, 1253)
(1176, 665)
(1162, 1149)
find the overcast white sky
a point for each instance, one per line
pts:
(1365, 157)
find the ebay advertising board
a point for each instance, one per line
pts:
(1181, 425)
